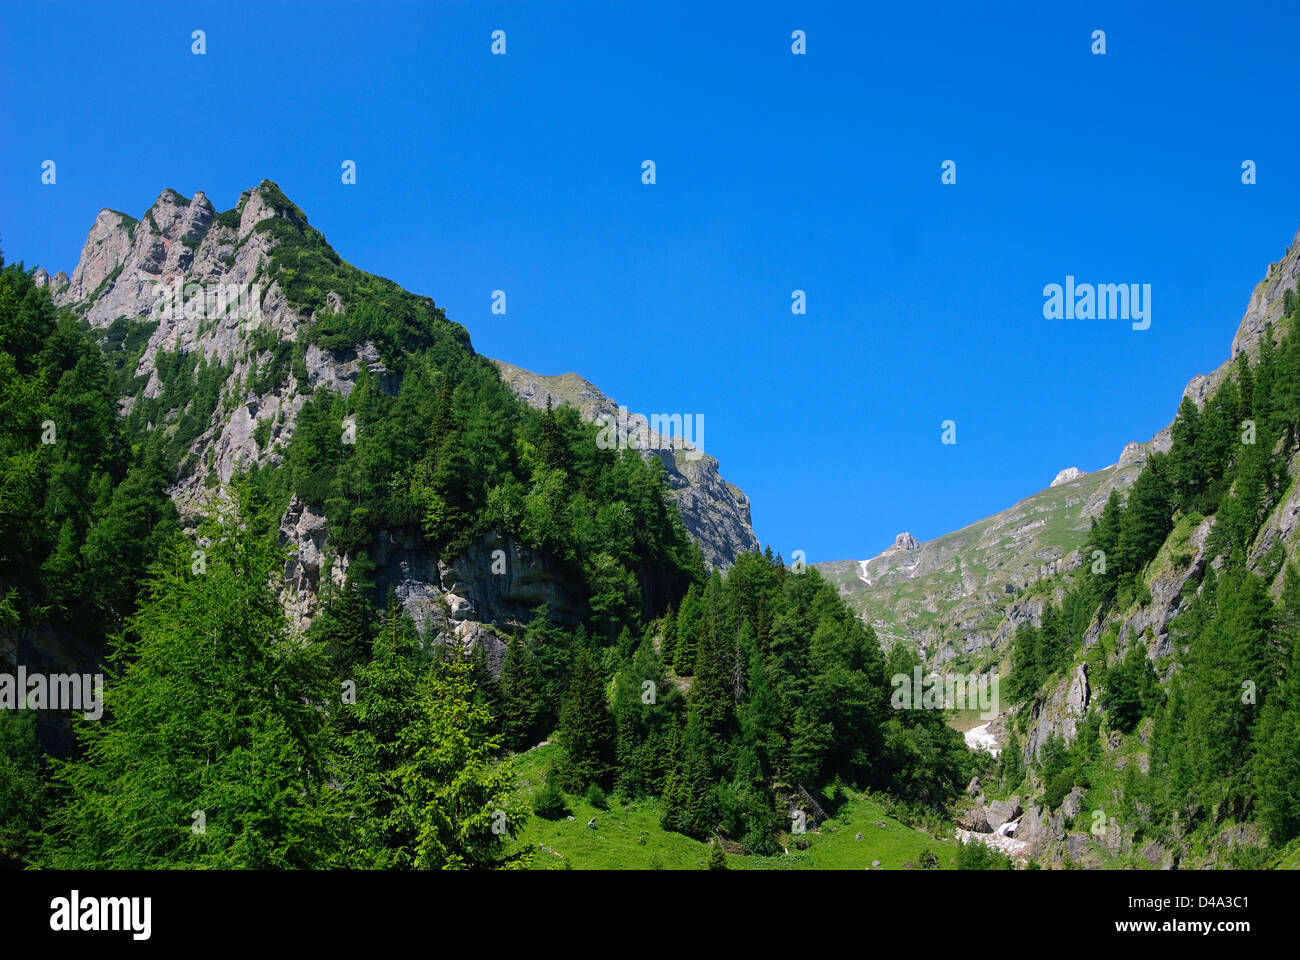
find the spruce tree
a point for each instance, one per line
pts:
(551, 449)
(717, 858)
(1011, 762)
(521, 695)
(688, 626)
(462, 797)
(711, 693)
(1277, 761)
(371, 746)
(687, 805)
(345, 627)
(586, 728)
(668, 634)
(1146, 520)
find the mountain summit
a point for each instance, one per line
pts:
(1066, 475)
(228, 326)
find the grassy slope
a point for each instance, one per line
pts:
(975, 572)
(628, 837)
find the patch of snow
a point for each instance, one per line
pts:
(1015, 849)
(979, 738)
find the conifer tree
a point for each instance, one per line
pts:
(344, 628)
(551, 449)
(1277, 762)
(668, 634)
(717, 858)
(463, 798)
(586, 728)
(209, 753)
(1011, 762)
(371, 746)
(688, 626)
(1146, 520)
(711, 693)
(444, 416)
(687, 806)
(521, 695)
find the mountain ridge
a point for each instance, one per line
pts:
(265, 371)
(716, 513)
(954, 613)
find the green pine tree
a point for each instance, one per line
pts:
(586, 728)
(209, 754)
(521, 695)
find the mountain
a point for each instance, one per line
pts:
(1143, 621)
(716, 513)
(262, 373)
(962, 595)
(966, 591)
(333, 568)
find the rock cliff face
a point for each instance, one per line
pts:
(180, 243)
(716, 513)
(472, 600)
(226, 309)
(1060, 712)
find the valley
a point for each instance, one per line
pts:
(336, 491)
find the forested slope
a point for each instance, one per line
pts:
(333, 571)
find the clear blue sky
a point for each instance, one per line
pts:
(775, 172)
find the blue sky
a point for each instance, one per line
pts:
(775, 172)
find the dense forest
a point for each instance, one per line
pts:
(230, 740)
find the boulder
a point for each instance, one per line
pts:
(975, 820)
(1082, 850)
(1033, 826)
(999, 812)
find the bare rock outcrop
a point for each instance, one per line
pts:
(1059, 713)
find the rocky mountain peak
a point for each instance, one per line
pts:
(150, 271)
(1065, 476)
(905, 541)
(186, 245)
(1266, 300)
(1265, 307)
(123, 259)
